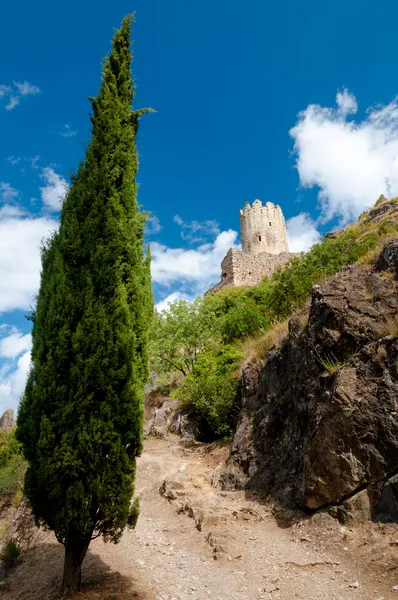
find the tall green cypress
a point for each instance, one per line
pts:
(80, 421)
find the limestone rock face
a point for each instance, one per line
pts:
(162, 419)
(7, 419)
(320, 418)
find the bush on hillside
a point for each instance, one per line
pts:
(12, 464)
(210, 391)
(10, 555)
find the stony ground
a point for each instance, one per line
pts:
(193, 542)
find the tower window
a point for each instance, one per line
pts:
(259, 238)
(270, 223)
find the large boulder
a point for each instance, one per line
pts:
(321, 423)
(388, 259)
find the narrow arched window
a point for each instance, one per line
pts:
(259, 238)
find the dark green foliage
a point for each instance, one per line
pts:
(210, 390)
(12, 464)
(10, 555)
(80, 421)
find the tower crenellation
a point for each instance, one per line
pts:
(263, 229)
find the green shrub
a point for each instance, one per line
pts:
(10, 555)
(210, 391)
(12, 464)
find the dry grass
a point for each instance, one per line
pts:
(387, 274)
(371, 256)
(381, 354)
(18, 496)
(256, 347)
(389, 327)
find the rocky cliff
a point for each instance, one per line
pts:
(320, 417)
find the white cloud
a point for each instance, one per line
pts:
(20, 240)
(54, 192)
(13, 101)
(15, 344)
(14, 160)
(33, 161)
(4, 90)
(199, 268)
(68, 131)
(25, 88)
(12, 382)
(351, 162)
(195, 231)
(301, 233)
(14, 95)
(173, 297)
(153, 226)
(7, 192)
(8, 210)
(347, 103)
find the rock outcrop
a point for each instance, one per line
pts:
(7, 421)
(319, 423)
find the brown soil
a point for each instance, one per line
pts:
(193, 542)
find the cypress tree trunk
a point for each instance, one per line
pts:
(75, 551)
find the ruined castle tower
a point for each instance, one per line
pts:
(263, 229)
(264, 247)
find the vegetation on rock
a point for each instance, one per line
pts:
(80, 421)
(12, 464)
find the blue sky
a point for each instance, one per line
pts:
(289, 102)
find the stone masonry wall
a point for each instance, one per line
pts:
(239, 269)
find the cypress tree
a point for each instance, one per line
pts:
(80, 421)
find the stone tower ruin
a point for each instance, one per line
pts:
(264, 247)
(263, 229)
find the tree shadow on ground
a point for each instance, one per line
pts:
(39, 575)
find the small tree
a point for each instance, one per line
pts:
(179, 334)
(80, 420)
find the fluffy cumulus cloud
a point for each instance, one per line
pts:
(20, 238)
(14, 344)
(301, 233)
(15, 353)
(54, 190)
(351, 162)
(196, 268)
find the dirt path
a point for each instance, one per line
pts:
(192, 542)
